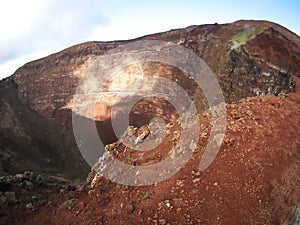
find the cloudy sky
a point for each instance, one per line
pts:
(33, 29)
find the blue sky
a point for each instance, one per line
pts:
(33, 29)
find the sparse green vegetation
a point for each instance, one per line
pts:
(119, 183)
(243, 36)
(129, 157)
(69, 202)
(145, 196)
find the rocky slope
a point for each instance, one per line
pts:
(254, 178)
(249, 58)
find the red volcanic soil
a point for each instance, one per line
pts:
(254, 179)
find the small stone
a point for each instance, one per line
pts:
(20, 177)
(162, 221)
(249, 113)
(216, 184)
(196, 180)
(29, 206)
(91, 192)
(36, 197)
(28, 185)
(168, 204)
(178, 209)
(197, 173)
(39, 178)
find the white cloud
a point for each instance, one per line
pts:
(35, 28)
(15, 24)
(10, 66)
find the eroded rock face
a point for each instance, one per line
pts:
(248, 58)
